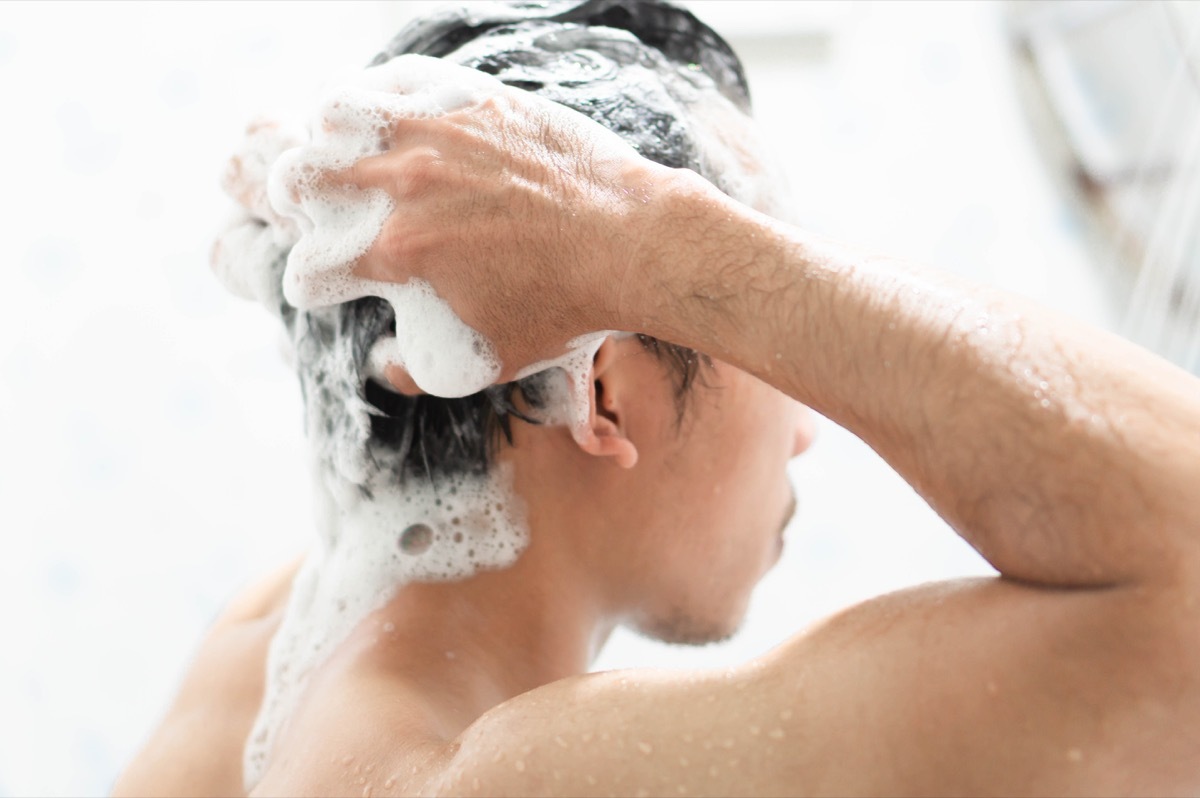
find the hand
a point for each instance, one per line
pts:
(527, 217)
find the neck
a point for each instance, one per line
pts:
(464, 647)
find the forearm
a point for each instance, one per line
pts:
(1065, 455)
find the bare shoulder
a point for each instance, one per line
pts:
(197, 746)
(648, 732)
(973, 687)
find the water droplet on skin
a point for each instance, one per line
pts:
(682, 790)
(416, 539)
(687, 738)
(369, 767)
(450, 655)
(708, 745)
(712, 770)
(1045, 403)
(389, 627)
(645, 748)
(642, 793)
(1074, 755)
(366, 793)
(587, 737)
(728, 743)
(475, 784)
(519, 765)
(754, 730)
(561, 742)
(683, 760)
(992, 688)
(347, 759)
(785, 714)
(499, 756)
(775, 734)
(590, 779)
(603, 736)
(734, 762)
(387, 785)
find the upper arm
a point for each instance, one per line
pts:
(988, 686)
(974, 687)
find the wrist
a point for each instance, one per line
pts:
(677, 211)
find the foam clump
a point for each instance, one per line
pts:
(425, 533)
(338, 222)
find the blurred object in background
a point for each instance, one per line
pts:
(1113, 92)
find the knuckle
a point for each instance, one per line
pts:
(422, 167)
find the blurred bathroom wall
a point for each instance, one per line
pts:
(152, 454)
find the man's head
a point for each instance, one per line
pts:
(675, 544)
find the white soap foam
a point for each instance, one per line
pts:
(369, 547)
(442, 355)
(569, 401)
(239, 256)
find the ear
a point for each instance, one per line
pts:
(605, 434)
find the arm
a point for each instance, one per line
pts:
(1065, 455)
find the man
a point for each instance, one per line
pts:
(662, 514)
(1068, 458)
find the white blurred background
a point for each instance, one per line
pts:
(151, 458)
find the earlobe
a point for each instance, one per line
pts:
(604, 435)
(604, 444)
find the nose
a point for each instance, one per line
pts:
(805, 432)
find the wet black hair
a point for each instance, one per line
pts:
(634, 66)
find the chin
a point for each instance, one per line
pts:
(684, 629)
